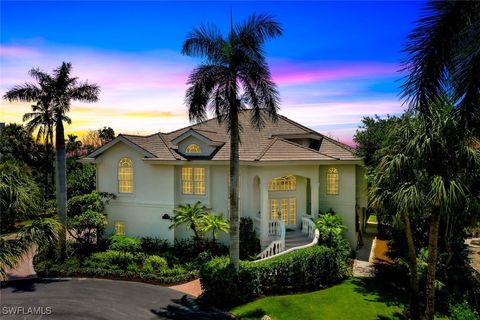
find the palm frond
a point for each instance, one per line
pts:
(27, 92)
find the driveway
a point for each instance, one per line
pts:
(96, 299)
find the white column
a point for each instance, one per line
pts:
(314, 195)
(264, 212)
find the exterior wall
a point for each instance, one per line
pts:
(344, 203)
(153, 195)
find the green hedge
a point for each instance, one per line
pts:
(304, 270)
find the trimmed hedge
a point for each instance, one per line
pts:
(304, 270)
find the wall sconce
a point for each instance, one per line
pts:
(166, 216)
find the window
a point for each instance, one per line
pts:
(125, 176)
(120, 228)
(193, 148)
(332, 181)
(287, 183)
(284, 209)
(193, 181)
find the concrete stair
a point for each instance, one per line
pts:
(296, 238)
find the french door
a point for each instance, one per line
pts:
(284, 209)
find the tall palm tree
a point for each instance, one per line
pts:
(443, 56)
(58, 90)
(234, 77)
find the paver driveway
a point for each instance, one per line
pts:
(86, 299)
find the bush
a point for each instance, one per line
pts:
(155, 264)
(189, 250)
(124, 243)
(249, 243)
(154, 246)
(463, 311)
(304, 270)
(112, 259)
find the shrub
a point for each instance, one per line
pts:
(155, 264)
(304, 270)
(249, 243)
(153, 245)
(112, 259)
(463, 311)
(189, 250)
(124, 243)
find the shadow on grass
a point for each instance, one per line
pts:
(384, 290)
(26, 285)
(187, 308)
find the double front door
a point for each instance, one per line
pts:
(284, 209)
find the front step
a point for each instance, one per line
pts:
(296, 239)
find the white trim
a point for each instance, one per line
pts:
(118, 139)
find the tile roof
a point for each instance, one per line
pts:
(267, 144)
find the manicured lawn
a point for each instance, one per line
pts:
(358, 298)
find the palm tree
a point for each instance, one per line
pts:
(191, 216)
(215, 224)
(443, 56)
(330, 227)
(36, 233)
(427, 171)
(56, 90)
(233, 65)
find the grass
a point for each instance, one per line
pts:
(358, 298)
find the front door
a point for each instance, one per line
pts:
(285, 209)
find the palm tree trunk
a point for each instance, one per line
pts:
(414, 297)
(61, 183)
(432, 264)
(234, 183)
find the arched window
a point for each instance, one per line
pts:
(287, 183)
(332, 181)
(193, 148)
(125, 176)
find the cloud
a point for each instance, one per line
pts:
(143, 92)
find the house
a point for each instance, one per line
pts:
(287, 172)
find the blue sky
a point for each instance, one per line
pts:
(336, 61)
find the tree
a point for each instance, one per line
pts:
(39, 232)
(234, 64)
(17, 144)
(215, 224)
(191, 216)
(57, 90)
(73, 146)
(91, 140)
(330, 227)
(106, 134)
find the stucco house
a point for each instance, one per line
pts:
(287, 172)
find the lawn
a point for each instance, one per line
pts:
(358, 298)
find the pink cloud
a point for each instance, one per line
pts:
(288, 73)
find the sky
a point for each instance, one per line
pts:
(335, 63)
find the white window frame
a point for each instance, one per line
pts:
(133, 176)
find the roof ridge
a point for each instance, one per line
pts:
(260, 156)
(307, 148)
(160, 135)
(137, 144)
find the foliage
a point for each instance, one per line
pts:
(249, 242)
(358, 298)
(42, 233)
(331, 229)
(155, 264)
(153, 245)
(17, 144)
(81, 180)
(214, 224)
(191, 216)
(106, 134)
(113, 259)
(19, 194)
(463, 311)
(189, 251)
(124, 243)
(303, 270)
(233, 77)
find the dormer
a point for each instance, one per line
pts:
(196, 143)
(309, 140)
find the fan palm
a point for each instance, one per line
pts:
(443, 56)
(58, 91)
(215, 224)
(234, 77)
(191, 216)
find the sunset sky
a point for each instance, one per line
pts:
(335, 63)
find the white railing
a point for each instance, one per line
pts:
(277, 246)
(308, 227)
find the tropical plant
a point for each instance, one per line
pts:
(234, 64)
(17, 144)
(331, 228)
(249, 242)
(443, 58)
(38, 232)
(73, 146)
(106, 134)
(19, 194)
(57, 91)
(215, 224)
(191, 216)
